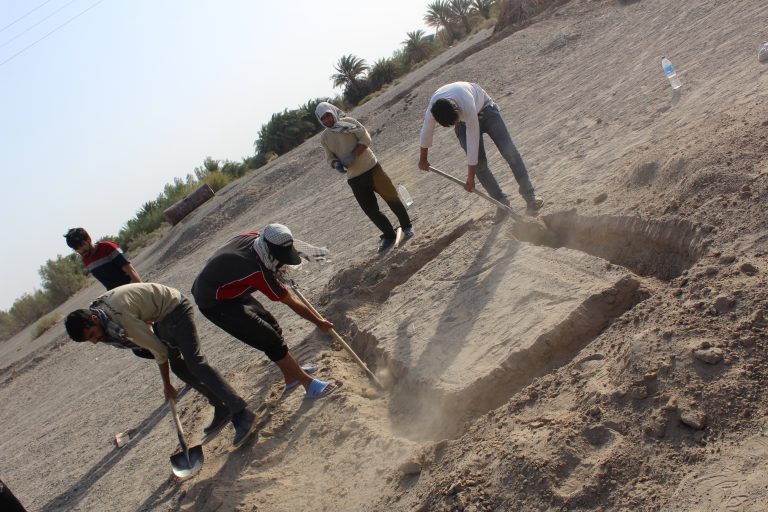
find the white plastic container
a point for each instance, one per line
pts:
(669, 70)
(405, 197)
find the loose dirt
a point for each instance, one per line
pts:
(615, 362)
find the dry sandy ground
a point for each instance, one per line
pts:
(614, 360)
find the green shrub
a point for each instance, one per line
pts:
(217, 180)
(45, 323)
(62, 277)
(383, 72)
(8, 325)
(144, 239)
(29, 307)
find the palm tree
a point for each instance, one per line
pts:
(383, 71)
(483, 7)
(417, 45)
(461, 10)
(348, 71)
(439, 16)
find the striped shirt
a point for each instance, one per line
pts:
(106, 264)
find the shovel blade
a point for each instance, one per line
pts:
(184, 468)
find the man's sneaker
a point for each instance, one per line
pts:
(408, 232)
(534, 205)
(243, 422)
(220, 417)
(385, 243)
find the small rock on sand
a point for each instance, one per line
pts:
(410, 467)
(709, 355)
(694, 419)
(748, 269)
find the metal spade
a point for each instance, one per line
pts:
(190, 460)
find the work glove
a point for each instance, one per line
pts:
(347, 160)
(338, 166)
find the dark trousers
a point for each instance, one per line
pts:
(247, 320)
(376, 180)
(8, 502)
(178, 331)
(179, 368)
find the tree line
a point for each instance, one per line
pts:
(63, 276)
(452, 21)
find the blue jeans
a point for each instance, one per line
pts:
(492, 124)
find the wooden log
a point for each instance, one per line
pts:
(174, 213)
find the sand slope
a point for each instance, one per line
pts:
(614, 361)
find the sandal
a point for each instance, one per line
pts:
(291, 385)
(320, 389)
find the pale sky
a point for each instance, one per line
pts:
(106, 101)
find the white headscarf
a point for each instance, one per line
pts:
(307, 251)
(338, 126)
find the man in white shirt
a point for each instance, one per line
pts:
(471, 112)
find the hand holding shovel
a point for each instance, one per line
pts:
(338, 338)
(524, 229)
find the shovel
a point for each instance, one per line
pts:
(338, 338)
(190, 460)
(529, 230)
(485, 196)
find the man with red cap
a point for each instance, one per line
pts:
(251, 262)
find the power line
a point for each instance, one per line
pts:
(19, 19)
(70, 20)
(36, 24)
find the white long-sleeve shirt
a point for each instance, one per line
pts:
(471, 98)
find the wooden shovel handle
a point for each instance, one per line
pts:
(481, 194)
(179, 429)
(338, 338)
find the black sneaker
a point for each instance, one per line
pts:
(220, 417)
(243, 422)
(385, 243)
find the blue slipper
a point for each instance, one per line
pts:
(320, 389)
(309, 369)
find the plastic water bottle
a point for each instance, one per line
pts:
(405, 197)
(669, 70)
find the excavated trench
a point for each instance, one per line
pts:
(418, 410)
(649, 248)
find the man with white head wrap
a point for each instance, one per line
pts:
(251, 262)
(347, 149)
